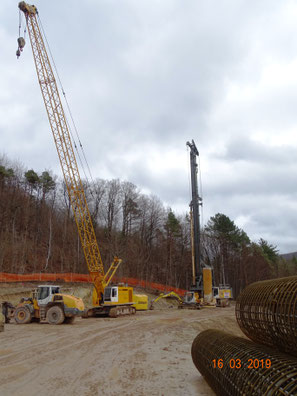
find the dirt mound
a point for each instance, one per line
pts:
(226, 323)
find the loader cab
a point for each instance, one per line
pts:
(43, 294)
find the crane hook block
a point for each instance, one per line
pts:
(21, 43)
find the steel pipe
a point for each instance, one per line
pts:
(267, 313)
(237, 366)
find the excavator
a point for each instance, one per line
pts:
(166, 295)
(108, 299)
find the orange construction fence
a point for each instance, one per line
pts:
(84, 278)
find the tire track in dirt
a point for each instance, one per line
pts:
(84, 337)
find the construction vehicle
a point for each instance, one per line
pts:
(202, 291)
(140, 302)
(47, 305)
(107, 300)
(222, 294)
(166, 295)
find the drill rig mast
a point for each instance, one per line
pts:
(197, 284)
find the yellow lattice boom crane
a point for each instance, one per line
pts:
(107, 300)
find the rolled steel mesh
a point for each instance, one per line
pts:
(267, 313)
(270, 372)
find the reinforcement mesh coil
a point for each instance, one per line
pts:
(237, 366)
(267, 313)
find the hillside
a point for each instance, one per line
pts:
(289, 256)
(38, 234)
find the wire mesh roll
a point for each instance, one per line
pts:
(237, 366)
(267, 313)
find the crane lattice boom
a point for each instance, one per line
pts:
(65, 150)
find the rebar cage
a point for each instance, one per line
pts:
(237, 366)
(267, 313)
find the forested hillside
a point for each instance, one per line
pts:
(38, 234)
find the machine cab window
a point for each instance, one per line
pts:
(43, 292)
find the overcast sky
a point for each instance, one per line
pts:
(143, 77)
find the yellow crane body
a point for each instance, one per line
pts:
(62, 138)
(140, 302)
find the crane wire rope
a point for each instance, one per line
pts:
(71, 117)
(21, 22)
(201, 192)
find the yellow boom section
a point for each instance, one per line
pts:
(65, 150)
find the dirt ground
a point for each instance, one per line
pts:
(143, 355)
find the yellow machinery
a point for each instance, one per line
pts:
(104, 297)
(47, 305)
(207, 285)
(140, 302)
(192, 300)
(166, 295)
(223, 295)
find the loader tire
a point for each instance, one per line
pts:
(22, 315)
(55, 315)
(69, 320)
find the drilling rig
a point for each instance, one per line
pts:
(202, 291)
(194, 297)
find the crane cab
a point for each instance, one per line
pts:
(117, 300)
(117, 295)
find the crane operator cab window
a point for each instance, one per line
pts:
(107, 294)
(111, 294)
(55, 290)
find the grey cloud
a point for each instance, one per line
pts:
(142, 78)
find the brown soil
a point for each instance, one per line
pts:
(145, 354)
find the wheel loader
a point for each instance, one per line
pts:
(47, 305)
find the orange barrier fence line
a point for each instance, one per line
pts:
(84, 278)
